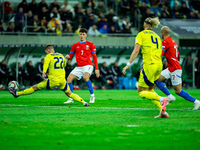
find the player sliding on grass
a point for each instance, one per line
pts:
(83, 51)
(56, 63)
(174, 70)
(151, 46)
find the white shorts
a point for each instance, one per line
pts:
(79, 71)
(175, 76)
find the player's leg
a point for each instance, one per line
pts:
(65, 88)
(165, 74)
(30, 90)
(187, 96)
(70, 79)
(145, 93)
(177, 84)
(86, 77)
(148, 75)
(159, 102)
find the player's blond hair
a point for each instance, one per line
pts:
(150, 22)
(165, 30)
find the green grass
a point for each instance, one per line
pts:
(118, 120)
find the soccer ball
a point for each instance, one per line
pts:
(13, 85)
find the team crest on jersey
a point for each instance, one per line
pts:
(87, 47)
(77, 46)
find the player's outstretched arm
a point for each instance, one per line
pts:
(132, 58)
(97, 73)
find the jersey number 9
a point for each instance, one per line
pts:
(58, 63)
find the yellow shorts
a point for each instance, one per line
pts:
(149, 74)
(50, 83)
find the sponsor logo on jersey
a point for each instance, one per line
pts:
(77, 46)
(87, 47)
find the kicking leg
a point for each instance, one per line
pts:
(25, 92)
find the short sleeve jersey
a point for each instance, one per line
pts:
(151, 46)
(83, 51)
(56, 63)
(170, 50)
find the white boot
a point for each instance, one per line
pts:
(70, 100)
(92, 99)
(196, 104)
(171, 99)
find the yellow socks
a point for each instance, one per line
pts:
(157, 104)
(153, 96)
(150, 95)
(77, 98)
(26, 92)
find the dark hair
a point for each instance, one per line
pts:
(48, 46)
(83, 30)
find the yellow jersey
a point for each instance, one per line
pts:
(151, 46)
(56, 63)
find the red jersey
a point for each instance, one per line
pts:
(83, 52)
(170, 50)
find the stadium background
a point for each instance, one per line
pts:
(119, 119)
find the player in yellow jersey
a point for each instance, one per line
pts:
(151, 49)
(56, 63)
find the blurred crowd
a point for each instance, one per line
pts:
(29, 74)
(99, 17)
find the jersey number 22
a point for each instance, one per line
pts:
(58, 63)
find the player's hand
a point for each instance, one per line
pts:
(124, 69)
(44, 75)
(67, 56)
(97, 73)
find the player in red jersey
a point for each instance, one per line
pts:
(174, 70)
(83, 51)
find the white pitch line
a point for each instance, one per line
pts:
(133, 125)
(13, 105)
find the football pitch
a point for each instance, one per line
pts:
(119, 119)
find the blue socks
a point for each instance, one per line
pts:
(183, 94)
(89, 85)
(162, 87)
(71, 86)
(186, 96)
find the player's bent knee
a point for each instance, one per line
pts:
(141, 94)
(69, 79)
(35, 87)
(86, 79)
(177, 91)
(68, 93)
